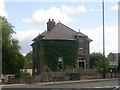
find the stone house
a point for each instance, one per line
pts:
(55, 33)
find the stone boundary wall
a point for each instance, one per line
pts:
(60, 76)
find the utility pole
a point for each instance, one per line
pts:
(103, 29)
(103, 40)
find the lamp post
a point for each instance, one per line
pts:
(103, 40)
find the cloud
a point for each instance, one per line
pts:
(111, 39)
(59, 14)
(114, 7)
(25, 38)
(3, 12)
(71, 9)
(41, 16)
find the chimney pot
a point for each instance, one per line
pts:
(50, 24)
(52, 19)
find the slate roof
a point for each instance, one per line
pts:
(44, 33)
(81, 34)
(89, 39)
(62, 32)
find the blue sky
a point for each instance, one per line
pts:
(20, 10)
(29, 19)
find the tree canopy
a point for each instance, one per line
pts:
(12, 59)
(98, 62)
(28, 60)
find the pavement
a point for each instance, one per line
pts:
(77, 81)
(64, 82)
(91, 84)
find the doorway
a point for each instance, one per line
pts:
(81, 63)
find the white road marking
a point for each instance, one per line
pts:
(105, 87)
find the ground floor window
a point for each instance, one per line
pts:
(81, 63)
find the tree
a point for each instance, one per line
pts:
(28, 60)
(12, 59)
(99, 62)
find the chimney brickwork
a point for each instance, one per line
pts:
(50, 24)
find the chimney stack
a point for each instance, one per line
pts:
(50, 24)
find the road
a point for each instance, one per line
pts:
(95, 85)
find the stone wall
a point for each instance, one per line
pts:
(59, 76)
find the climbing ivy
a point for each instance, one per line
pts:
(53, 49)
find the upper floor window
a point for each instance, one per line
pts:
(81, 43)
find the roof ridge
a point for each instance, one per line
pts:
(67, 27)
(82, 33)
(72, 29)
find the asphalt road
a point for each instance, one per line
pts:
(94, 85)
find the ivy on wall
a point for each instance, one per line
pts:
(53, 49)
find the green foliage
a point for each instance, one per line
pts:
(28, 60)
(12, 59)
(47, 69)
(98, 62)
(22, 75)
(55, 49)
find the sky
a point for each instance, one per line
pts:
(30, 18)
